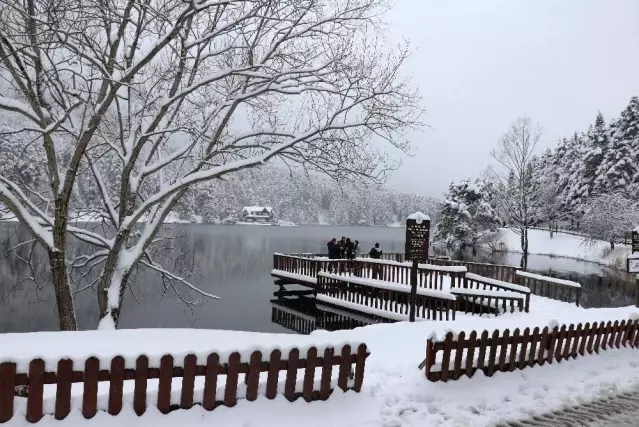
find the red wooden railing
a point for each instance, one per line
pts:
(504, 352)
(92, 373)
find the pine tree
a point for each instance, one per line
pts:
(594, 172)
(466, 214)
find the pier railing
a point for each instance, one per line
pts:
(384, 299)
(91, 372)
(551, 287)
(505, 273)
(429, 276)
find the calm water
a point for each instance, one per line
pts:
(234, 262)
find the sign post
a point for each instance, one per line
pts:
(416, 250)
(633, 262)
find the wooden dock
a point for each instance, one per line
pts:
(382, 288)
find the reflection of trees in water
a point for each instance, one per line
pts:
(233, 261)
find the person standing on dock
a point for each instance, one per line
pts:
(375, 253)
(350, 249)
(333, 249)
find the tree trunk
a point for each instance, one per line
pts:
(524, 240)
(57, 262)
(63, 296)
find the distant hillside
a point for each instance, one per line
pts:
(303, 198)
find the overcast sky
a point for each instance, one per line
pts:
(481, 63)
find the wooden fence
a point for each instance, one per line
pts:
(505, 273)
(115, 373)
(550, 287)
(503, 352)
(390, 271)
(428, 307)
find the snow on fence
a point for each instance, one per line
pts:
(305, 270)
(551, 287)
(383, 299)
(505, 273)
(458, 355)
(215, 372)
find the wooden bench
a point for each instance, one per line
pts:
(473, 300)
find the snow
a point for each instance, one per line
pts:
(433, 267)
(548, 279)
(293, 276)
(155, 343)
(506, 285)
(486, 293)
(395, 392)
(362, 308)
(419, 217)
(564, 245)
(391, 286)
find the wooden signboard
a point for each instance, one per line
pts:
(417, 235)
(635, 242)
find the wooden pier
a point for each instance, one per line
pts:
(384, 288)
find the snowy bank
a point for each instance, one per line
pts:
(395, 392)
(564, 245)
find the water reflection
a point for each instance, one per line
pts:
(233, 262)
(303, 316)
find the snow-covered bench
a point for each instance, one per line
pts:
(382, 298)
(145, 364)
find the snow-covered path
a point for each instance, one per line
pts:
(396, 393)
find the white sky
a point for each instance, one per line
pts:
(481, 63)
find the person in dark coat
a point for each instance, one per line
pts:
(332, 245)
(375, 252)
(350, 249)
(342, 248)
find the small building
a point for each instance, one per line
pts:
(257, 214)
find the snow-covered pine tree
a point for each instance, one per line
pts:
(594, 171)
(618, 168)
(465, 214)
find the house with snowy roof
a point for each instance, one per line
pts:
(257, 213)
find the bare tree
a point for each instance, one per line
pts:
(515, 182)
(139, 100)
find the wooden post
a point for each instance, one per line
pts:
(413, 290)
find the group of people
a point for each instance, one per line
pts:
(345, 248)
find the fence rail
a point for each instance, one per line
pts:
(505, 273)
(115, 373)
(395, 301)
(503, 352)
(550, 287)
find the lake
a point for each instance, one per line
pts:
(234, 262)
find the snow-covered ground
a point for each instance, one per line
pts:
(564, 245)
(395, 393)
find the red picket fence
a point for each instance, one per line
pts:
(116, 374)
(503, 352)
